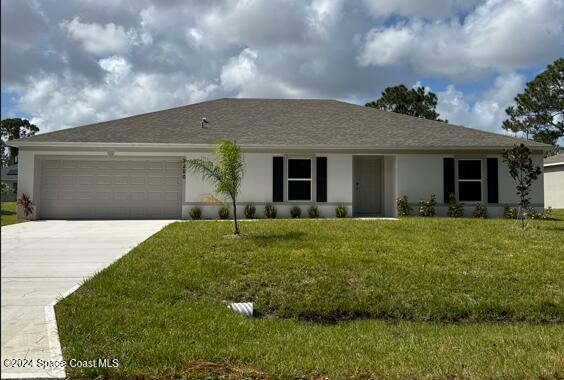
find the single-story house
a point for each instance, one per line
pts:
(297, 153)
(9, 180)
(554, 181)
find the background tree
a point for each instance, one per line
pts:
(539, 110)
(13, 129)
(225, 172)
(414, 102)
(523, 172)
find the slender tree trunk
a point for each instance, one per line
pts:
(235, 224)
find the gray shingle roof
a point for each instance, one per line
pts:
(282, 122)
(557, 159)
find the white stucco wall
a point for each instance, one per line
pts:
(554, 186)
(420, 175)
(507, 191)
(256, 187)
(339, 178)
(415, 175)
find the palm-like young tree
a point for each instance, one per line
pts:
(225, 172)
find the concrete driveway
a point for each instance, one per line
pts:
(43, 262)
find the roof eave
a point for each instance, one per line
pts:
(98, 145)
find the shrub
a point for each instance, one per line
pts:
(250, 211)
(270, 211)
(455, 209)
(531, 213)
(341, 211)
(296, 212)
(509, 212)
(480, 211)
(427, 208)
(547, 213)
(195, 213)
(403, 206)
(223, 212)
(26, 204)
(313, 212)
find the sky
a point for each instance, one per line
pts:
(74, 62)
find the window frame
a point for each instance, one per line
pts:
(459, 180)
(310, 179)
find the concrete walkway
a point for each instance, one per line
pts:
(43, 262)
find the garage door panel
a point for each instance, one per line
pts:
(86, 179)
(171, 196)
(103, 180)
(110, 189)
(121, 180)
(69, 164)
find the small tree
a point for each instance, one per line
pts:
(523, 172)
(225, 172)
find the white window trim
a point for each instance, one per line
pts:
(288, 179)
(481, 180)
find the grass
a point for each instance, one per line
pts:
(8, 213)
(343, 298)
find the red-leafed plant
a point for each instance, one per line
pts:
(26, 204)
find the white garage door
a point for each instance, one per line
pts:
(110, 189)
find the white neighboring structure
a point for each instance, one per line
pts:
(297, 153)
(554, 181)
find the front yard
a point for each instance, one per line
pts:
(8, 213)
(343, 298)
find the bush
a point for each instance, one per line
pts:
(480, 211)
(533, 214)
(26, 204)
(455, 209)
(195, 213)
(427, 208)
(313, 212)
(270, 211)
(223, 212)
(296, 212)
(547, 213)
(250, 211)
(341, 211)
(403, 206)
(509, 212)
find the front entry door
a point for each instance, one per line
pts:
(368, 185)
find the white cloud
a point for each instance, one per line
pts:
(422, 8)
(130, 57)
(498, 35)
(95, 38)
(240, 70)
(117, 68)
(487, 111)
(59, 102)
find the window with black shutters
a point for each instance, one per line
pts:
(299, 179)
(469, 180)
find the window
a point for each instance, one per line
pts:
(299, 179)
(469, 180)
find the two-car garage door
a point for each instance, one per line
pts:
(110, 189)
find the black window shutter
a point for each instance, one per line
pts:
(448, 178)
(278, 179)
(493, 193)
(321, 179)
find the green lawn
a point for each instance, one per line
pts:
(8, 213)
(414, 298)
